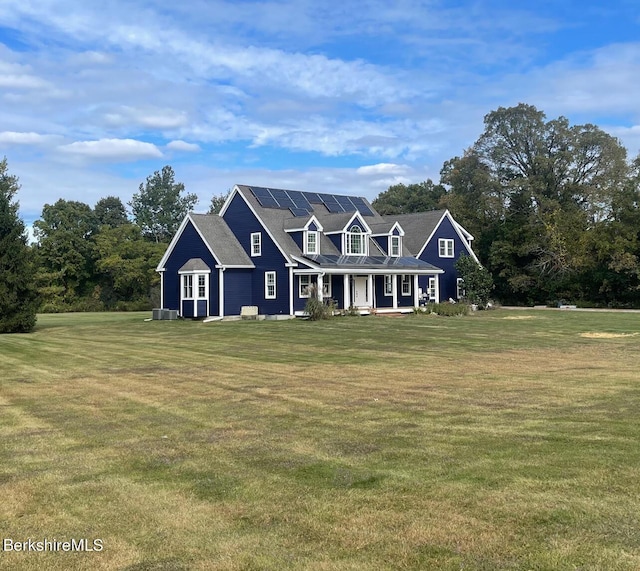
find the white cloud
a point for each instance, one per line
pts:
(16, 138)
(183, 146)
(113, 149)
(149, 117)
(382, 169)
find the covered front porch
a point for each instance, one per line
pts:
(365, 284)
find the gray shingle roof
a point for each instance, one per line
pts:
(221, 240)
(417, 227)
(194, 265)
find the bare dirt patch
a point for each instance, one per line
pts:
(604, 335)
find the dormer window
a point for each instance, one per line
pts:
(356, 241)
(394, 246)
(311, 242)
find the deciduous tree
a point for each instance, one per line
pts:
(160, 205)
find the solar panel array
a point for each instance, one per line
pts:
(300, 203)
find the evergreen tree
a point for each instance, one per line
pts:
(18, 298)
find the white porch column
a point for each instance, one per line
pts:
(347, 292)
(370, 290)
(416, 296)
(221, 292)
(319, 285)
(394, 290)
(291, 312)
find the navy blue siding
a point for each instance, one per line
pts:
(242, 223)
(337, 290)
(313, 227)
(297, 238)
(189, 245)
(237, 290)
(381, 299)
(396, 232)
(337, 241)
(383, 242)
(431, 254)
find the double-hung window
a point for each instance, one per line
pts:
(326, 286)
(202, 286)
(459, 288)
(269, 285)
(187, 286)
(305, 283)
(394, 246)
(311, 242)
(388, 285)
(406, 285)
(445, 248)
(256, 244)
(356, 241)
(431, 289)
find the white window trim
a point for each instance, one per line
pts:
(307, 278)
(459, 288)
(393, 239)
(187, 283)
(432, 289)
(267, 277)
(205, 285)
(326, 281)
(388, 279)
(255, 252)
(364, 239)
(445, 248)
(405, 281)
(308, 250)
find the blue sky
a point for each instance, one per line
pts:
(348, 96)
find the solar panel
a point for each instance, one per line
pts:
(267, 202)
(299, 199)
(260, 192)
(328, 198)
(286, 203)
(334, 207)
(346, 203)
(313, 197)
(279, 194)
(299, 211)
(361, 205)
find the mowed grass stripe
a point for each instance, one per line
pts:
(415, 443)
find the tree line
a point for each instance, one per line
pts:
(554, 209)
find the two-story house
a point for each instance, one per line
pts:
(268, 246)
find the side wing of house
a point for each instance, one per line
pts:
(205, 271)
(446, 242)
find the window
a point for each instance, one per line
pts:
(459, 288)
(312, 242)
(187, 286)
(445, 248)
(326, 287)
(406, 285)
(202, 286)
(388, 285)
(256, 244)
(394, 246)
(269, 285)
(305, 282)
(431, 290)
(356, 241)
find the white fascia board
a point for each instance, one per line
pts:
(458, 230)
(400, 229)
(227, 202)
(356, 214)
(235, 267)
(306, 226)
(175, 239)
(235, 191)
(435, 229)
(192, 272)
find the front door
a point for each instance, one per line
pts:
(360, 292)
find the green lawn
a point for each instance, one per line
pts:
(502, 440)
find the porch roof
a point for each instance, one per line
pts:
(375, 264)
